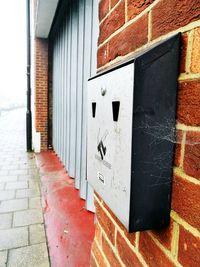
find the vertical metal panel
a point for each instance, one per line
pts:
(57, 80)
(65, 93)
(86, 75)
(81, 29)
(95, 33)
(63, 88)
(73, 87)
(66, 144)
(58, 98)
(74, 61)
(69, 26)
(61, 94)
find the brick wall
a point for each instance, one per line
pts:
(127, 26)
(41, 91)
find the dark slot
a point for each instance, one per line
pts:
(93, 109)
(115, 109)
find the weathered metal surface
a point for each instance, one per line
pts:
(74, 61)
(109, 142)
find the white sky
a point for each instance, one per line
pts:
(12, 51)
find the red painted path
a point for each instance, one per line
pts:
(69, 227)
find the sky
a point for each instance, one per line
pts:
(12, 52)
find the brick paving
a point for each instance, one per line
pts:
(22, 234)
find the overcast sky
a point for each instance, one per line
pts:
(13, 50)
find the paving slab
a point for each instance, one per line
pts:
(27, 217)
(3, 258)
(28, 165)
(17, 172)
(37, 234)
(16, 185)
(3, 172)
(8, 178)
(5, 221)
(33, 184)
(13, 238)
(7, 195)
(33, 171)
(24, 193)
(35, 203)
(27, 177)
(31, 256)
(2, 186)
(13, 205)
(9, 167)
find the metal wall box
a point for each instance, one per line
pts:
(131, 133)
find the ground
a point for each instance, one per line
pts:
(22, 234)
(43, 221)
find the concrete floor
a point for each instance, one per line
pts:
(69, 226)
(22, 234)
(24, 190)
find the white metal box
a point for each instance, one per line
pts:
(109, 140)
(124, 157)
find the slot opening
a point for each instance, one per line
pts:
(93, 109)
(115, 109)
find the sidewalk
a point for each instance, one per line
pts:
(69, 226)
(22, 235)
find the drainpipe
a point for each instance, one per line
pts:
(28, 111)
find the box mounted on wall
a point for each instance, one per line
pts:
(131, 133)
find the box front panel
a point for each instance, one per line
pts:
(110, 108)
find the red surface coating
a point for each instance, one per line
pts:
(69, 227)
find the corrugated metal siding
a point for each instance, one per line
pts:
(74, 61)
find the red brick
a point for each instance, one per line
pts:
(195, 62)
(110, 255)
(151, 253)
(192, 155)
(103, 9)
(92, 262)
(179, 136)
(184, 41)
(186, 200)
(165, 235)
(98, 196)
(102, 55)
(170, 15)
(127, 255)
(41, 90)
(131, 38)
(188, 102)
(105, 222)
(114, 2)
(112, 23)
(130, 236)
(189, 249)
(135, 7)
(98, 233)
(98, 255)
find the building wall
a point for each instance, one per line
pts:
(41, 92)
(127, 26)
